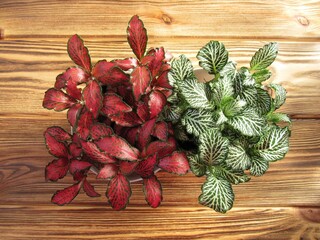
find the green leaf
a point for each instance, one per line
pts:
(264, 57)
(280, 95)
(258, 166)
(277, 117)
(261, 76)
(213, 147)
(197, 121)
(172, 113)
(233, 107)
(249, 123)
(181, 69)
(263, 102)
(195, 93)
(219, 117)
(180, 133)
(217, 194)
(237, 158)
(229, 70)
(224, 172)
(196, 165)
(223, 88)
(274, 144)
(213, 57)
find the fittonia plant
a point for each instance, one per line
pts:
(231, 120)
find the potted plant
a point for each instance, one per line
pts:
(229, 123)
(114, 110)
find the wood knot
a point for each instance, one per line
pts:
(303, 20)
(1, 34)
(166, 19)
(310, 214)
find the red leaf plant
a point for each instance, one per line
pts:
(114, 109)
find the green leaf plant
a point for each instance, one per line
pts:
(228, 125)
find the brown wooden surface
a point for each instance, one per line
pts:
(283, 204)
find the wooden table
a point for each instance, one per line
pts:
(283, 204)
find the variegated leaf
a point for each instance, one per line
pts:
(280, 95)
(249, 123)
(274, 144)
(264, 57)
(196, 165)
(222, 89)
(195, 93)
(258, 166)
(213, 147)
(197, 121)
(229, 70)
(181, 69)
(263, 102)
(228, 173)
(261, 76)
(237, 158)
(217, 194)
(213, 57)
(233, 107)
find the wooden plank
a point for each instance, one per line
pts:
(47, 222)
(233, 19)
(29, 67)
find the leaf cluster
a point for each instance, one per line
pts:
(114, 110)
(233, 118)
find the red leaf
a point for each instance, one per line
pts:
(161, 130)
(176, 163)
(113, 104)
(154, 60)
(126, 119)
(93, 97)
(162, 81)
(70, 79)
(66, 195)
(119, 192)
(131, 135)
(94, 153)
(73, 74)
(114, 77)
(145, 133)
(78, 166)
(84, 124)
(166, 92)
(161, 148)
(79, 176)
(140, 78)
(126, 64)
(73, 113)
(118, 147)
(143, 111)
(127, 94)
(156, 103)
(89, 189)
(55, 147)
(75, 150)
(108, 171)
(102, 68)
(100, 130)
(57, 100)
(145, 167)
(152, 191)
(126, 167)
(79, 53)
(57, 169)
(137, 36)
(58, 133)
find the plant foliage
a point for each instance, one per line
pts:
(231, 118)
(114, 109)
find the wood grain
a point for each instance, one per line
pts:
(239, 19)
(283, 204)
